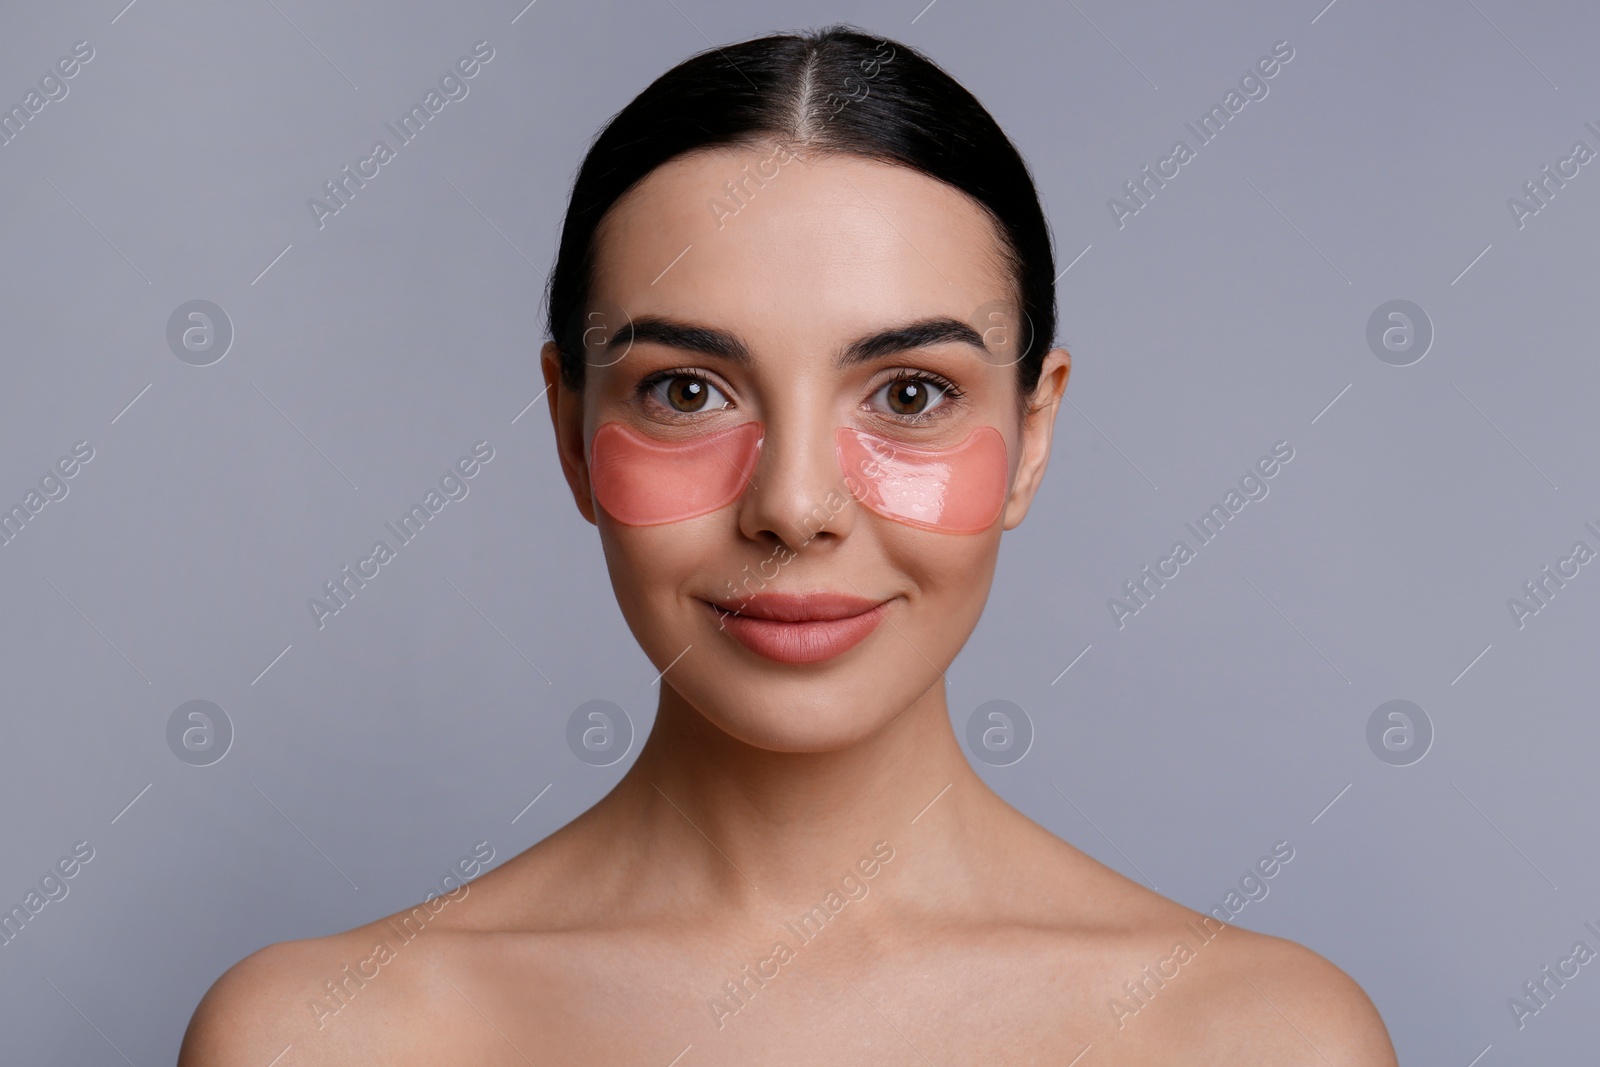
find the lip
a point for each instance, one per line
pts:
(800, 628)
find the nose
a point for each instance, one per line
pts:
(798, 494)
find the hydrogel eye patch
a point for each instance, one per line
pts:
(641, 481)
(644, 482)
(956, 490)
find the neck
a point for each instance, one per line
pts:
(715, 822)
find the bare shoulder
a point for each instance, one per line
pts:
(364, 996)
(1276, 999)
(1161, 977)
(253, 1012)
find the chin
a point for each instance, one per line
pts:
(796, 717)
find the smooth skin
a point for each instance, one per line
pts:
(984, 939)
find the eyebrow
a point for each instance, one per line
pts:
(921, 333)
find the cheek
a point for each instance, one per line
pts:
(958, 490)
(643, 482)
(647, 566)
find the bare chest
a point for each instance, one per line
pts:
(794, 1001)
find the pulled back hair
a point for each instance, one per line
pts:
(806, 91)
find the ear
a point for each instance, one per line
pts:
(1037, 426)
(566, 414)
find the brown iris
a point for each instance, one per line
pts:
(687, 394)
(908, 397)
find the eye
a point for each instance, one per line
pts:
(913, 396)
(683, 393)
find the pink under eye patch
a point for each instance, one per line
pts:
(953, 490)
(641, 481)
(644, 482)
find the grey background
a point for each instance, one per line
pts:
(1227, 315)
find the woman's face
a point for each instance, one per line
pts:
(708, 314)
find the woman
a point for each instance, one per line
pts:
(801, 381)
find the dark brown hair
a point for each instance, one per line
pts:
(833, 90)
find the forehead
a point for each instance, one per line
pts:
(799, 252)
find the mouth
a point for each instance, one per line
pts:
(799, 628)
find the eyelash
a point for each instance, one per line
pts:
(951, 393)
(647, 385)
